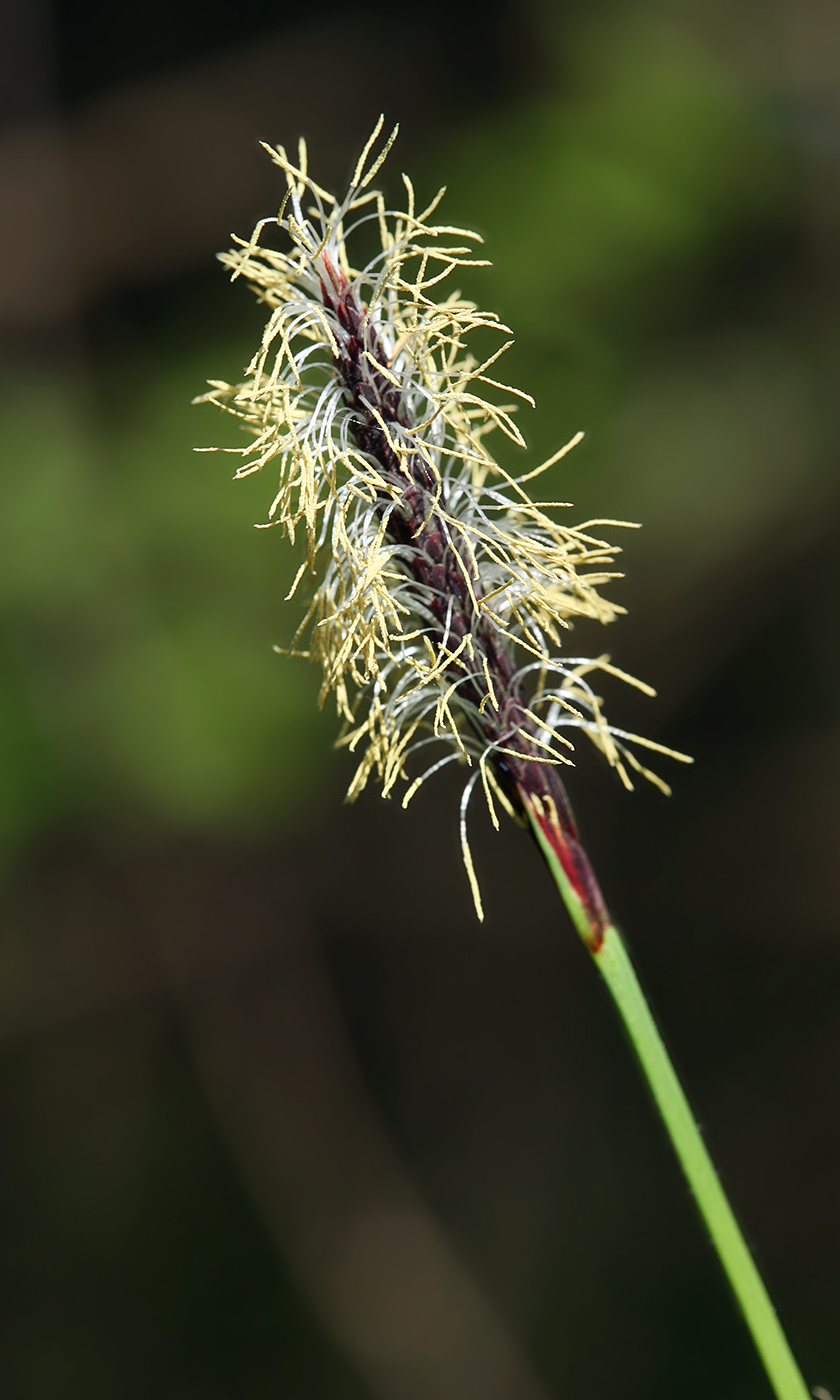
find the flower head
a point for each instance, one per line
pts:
(444, 589)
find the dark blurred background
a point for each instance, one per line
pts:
(279, 1119)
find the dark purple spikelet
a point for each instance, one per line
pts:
(443, 590)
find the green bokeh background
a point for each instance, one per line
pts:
(657, 188)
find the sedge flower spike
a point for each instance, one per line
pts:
(438, 617)
(445, 590)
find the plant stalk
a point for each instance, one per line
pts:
(613, 962)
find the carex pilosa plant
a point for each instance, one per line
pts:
(441, 594)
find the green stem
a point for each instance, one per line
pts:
(614, 963)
